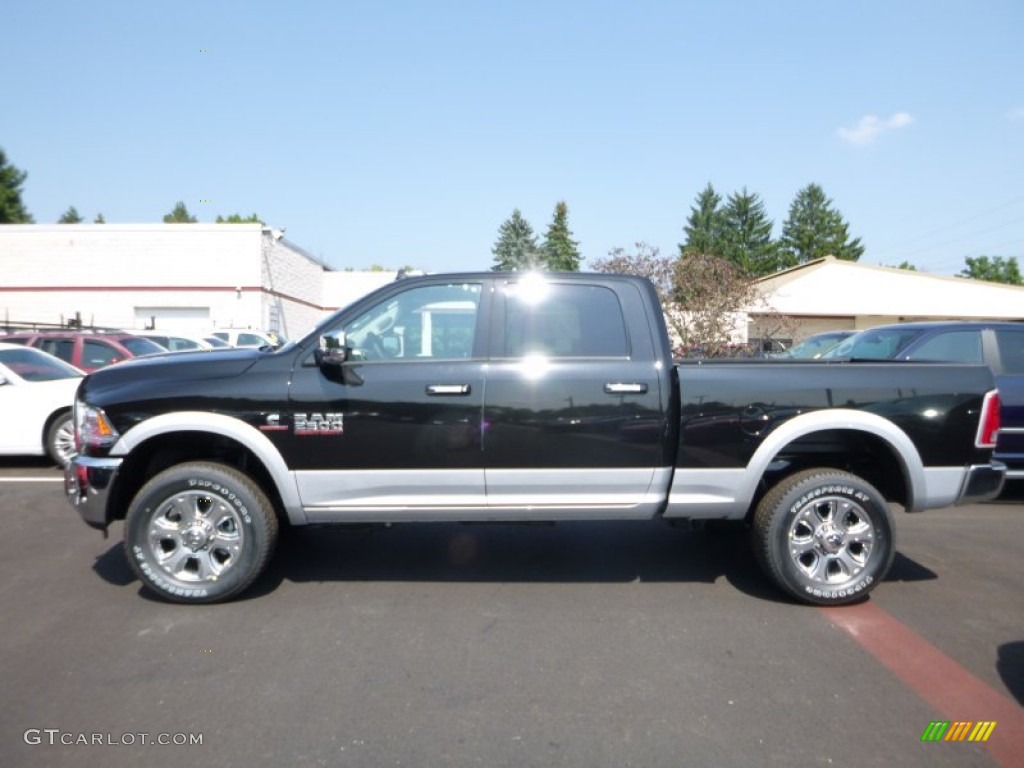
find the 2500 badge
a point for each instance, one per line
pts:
(318, 424)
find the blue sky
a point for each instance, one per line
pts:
(405, 132)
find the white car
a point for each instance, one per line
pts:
(37, 391)
(246, 337)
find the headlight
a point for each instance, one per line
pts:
(93, 430)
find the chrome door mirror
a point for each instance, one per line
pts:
(332, 350)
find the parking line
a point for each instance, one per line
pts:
(935, 677)
(31, 479)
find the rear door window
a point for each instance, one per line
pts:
(1011, 349)
(62, 348)
(96, 354)
(556, 320)
(951, 346)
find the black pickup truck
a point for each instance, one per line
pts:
(520, 397)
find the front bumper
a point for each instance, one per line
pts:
(983, 482)
(87, 483)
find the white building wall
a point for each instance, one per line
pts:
(184, 276)
(293, 287)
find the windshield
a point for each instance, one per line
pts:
(139, 346)
(33, 365)
(816, 346)
(876, 344)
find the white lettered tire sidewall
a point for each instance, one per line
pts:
(775, 521)
(251, 514)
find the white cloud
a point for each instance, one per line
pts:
(870, 127)
(1016, 115)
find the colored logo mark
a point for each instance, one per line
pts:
(958, 730)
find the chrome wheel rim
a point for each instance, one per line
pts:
(195, 537)
(64, 442)
(831, 540)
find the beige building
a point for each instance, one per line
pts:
(832, 294)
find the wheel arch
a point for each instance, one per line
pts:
(861, 443)
(168, 439)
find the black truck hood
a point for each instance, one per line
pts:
(159, 374)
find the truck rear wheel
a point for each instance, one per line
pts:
(199, 533)
(825, 537)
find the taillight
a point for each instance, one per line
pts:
(988, 424)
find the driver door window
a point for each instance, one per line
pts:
(434, 322)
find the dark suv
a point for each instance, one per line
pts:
(87, 350)
(998, 344)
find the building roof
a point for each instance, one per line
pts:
(834, 287)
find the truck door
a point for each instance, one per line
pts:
(574, 424)
(396, 428)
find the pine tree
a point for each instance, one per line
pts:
(99, 219)
(237, 218)
(704, 227)
(516, 247)
(12, 209)
(561, 253)
(747, 235)
(70, 216)
(814, 229)
(179, 215)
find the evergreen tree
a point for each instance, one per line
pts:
(747, 235)
(704, 227)
(815, 229)
(12, 209)
(516, 247)
(560, 251)
(995, 270)
(99, 219)
(179, 215)
(70, 216)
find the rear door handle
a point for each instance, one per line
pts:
(625, 388)
(449, 389)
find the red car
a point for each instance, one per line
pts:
(85, 349)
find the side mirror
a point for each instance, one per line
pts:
(332, 350)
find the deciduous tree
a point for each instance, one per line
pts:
(179, 215)
(70, 216)
(237, 218)
(995, 269)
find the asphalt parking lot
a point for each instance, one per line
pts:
(596, 644)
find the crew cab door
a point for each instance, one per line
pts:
(396, 428)
(574, 418)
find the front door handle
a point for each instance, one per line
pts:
(625, 388)
(449, 389)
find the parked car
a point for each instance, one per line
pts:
(815, 346)
(216, 343)
(246, 337)
(88, 350)
(36, 394)
(173, 341)
(999, 344)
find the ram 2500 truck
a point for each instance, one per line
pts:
(519, 397)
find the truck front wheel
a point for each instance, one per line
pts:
(199, 532)
(825, 537)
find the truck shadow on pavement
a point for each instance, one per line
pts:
(567, 552)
